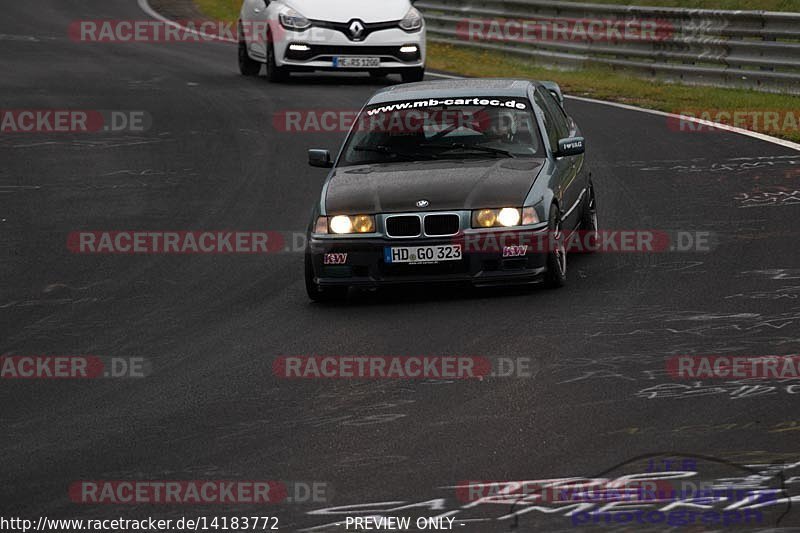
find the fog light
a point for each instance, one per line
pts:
(486, 218)
(364, 224)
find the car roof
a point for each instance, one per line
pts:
(455, 88)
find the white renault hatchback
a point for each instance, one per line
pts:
(375, 36)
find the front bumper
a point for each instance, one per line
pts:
(325, 44)
(365, 265)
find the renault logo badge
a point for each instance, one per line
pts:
(356, 30)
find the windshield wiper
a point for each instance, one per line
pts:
(472, 147)
(388, 150)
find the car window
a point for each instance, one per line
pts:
(554, 118)
(562, 121)
(436, 129)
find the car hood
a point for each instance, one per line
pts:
(446, 185)
(347, 10)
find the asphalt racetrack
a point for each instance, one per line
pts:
(597, 403)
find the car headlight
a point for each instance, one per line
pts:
(412, 21)
(346, 225)
(506, 217)
(292, 20)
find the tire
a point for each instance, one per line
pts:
(589, 222)
(247, 65)
(556, 275)
(275, 73)
(413, 74)
(330, 294)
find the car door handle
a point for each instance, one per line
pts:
(256, 10)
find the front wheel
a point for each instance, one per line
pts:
(556, 275)
(274, 72)
(413, 74)
(247, 65)
(315, 293)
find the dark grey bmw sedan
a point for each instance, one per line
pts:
(473, 180)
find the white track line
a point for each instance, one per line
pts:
(724, 127)
(145, 6)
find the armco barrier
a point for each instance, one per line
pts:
(744, 49)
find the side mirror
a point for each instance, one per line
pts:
(571, 146)
(320, 158)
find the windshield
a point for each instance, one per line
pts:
(431, 129)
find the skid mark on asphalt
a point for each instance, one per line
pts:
(783, 293)
(738, 164)
(100, 143)
(709, 428)
(24, 38)
(776, 273)
(10, 189)
(711, 323)
(778, 198)
(731, 390)
(682, 267)
(42, 303)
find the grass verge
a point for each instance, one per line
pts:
(220, 9)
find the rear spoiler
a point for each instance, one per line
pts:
(555, 90)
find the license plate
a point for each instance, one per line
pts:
(416, 255)
(356, 62)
